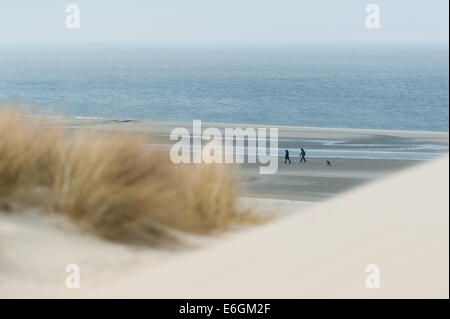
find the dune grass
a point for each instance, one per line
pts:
(28, 154)
(111, 185)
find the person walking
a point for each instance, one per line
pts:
(302, 155)
(286, 157)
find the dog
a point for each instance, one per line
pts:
(328, 163)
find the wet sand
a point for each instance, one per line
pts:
(314, 181)
(357, 156)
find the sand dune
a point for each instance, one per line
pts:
(400, 224)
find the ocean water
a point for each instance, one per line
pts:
(400, 88)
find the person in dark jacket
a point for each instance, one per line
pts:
(286, 157)
(302, 155)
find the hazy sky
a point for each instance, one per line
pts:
(224, 21)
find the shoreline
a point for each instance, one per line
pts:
(158, 123)
(93, 120)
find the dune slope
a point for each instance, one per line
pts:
(400, 224)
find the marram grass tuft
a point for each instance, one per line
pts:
(111, 184)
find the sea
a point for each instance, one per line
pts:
(387, 87)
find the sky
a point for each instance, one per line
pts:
(224, 22)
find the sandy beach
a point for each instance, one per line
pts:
(331, 222)
(357, 156)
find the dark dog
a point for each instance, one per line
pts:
(328, 163)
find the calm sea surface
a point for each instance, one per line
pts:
(401, 88)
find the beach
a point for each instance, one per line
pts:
(356, 156)
(330, 222)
